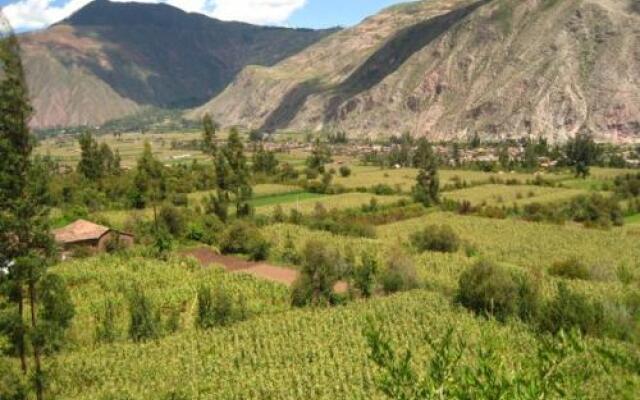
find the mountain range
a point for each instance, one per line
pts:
(446, 69)
(113, 59)
(453, 68)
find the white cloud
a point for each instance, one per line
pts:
(35, 14)
(256, 11)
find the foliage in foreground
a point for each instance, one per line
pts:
(556, 369)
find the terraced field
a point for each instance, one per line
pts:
(508, 195)
(405, 177)
(261, 358)
(339, 201)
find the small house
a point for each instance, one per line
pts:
(87, 236)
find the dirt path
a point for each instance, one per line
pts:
(285, 276)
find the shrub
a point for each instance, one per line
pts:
(364, 274)
(106, 330)
(569, 310)
(172, 219)
(400, 272)
(242, 237)
(180, 200)
(571, 269)
(214, 308)
(145, 318)
(319, 274)
(489, 289)
(436, 238)
(345, 171)
(382, 189)
(57, 311)
(290, 254)
(205, 229)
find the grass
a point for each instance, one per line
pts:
(508, 195)
(633, 219)
(285, 199)
(261, 190)
(340, 202)
(66, 150)
(367, 176)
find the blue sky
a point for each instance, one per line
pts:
(37, 14)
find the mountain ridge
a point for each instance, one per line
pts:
(503, 69)
(137, 55)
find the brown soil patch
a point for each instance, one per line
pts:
(275, 274)
(285, 276)
(208, 257)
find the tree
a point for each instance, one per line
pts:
(319, 157)
(427, 188)
(530, 156)
(210, 128)
(150, 186)
(91, 164)
(455, 153)
(26, 246)
(581, 152)
(264, 161)
(233, 175)
(364, 275)
(318, 276)
(503, 156)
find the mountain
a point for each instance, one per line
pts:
(452, 68)
(111, 59)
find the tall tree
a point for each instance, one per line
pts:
(210, 129)
(238, 174)
(320, 155)
(264, 161)
(91, 164)
(581, 153)
(427, 188)
(26, 247)
(150, 185)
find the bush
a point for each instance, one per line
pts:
(206, 229)
(436, 238)
(242, 237)
(345, 171)
(400, 273)
(172, 219)
(180, 200)
(569, 310)
(489, 289)
(364, 275)
(106, 330)
(571, 269)
(319, 274)
(145, 318)
(216, 308)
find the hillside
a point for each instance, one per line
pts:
(110, 59)
(450, 68)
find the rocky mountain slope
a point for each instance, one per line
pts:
(451, 68)
(110, 59)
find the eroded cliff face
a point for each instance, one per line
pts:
(448, 69)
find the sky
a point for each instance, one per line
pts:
(27, 15)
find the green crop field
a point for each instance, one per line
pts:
(339, 201)
(261, 190)
(130, 145)
(508, 195)
(262, 358)
(405, 177)
(634, 219)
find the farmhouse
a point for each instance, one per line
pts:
(92, 237)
